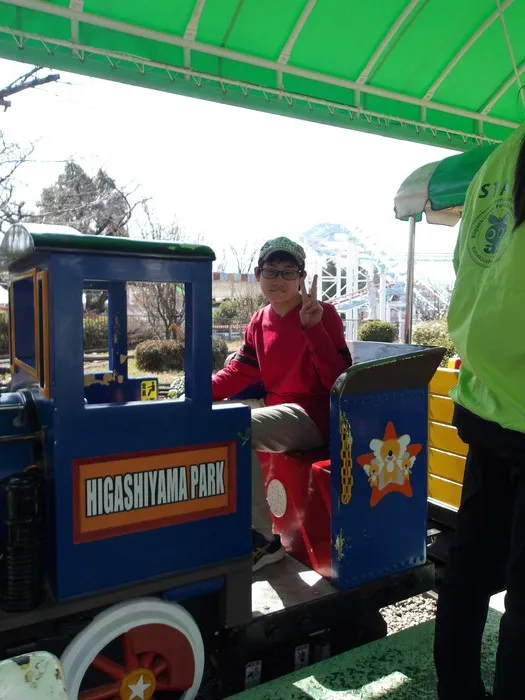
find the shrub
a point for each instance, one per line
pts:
(160, 355)
(4, 333)
(95, 333)
(226, 313)
(219, 349)
(378, 331)
(434, 333)
(177, 388)
(168, 355)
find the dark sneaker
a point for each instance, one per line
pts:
(266, 551)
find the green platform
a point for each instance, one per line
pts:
(398, 667)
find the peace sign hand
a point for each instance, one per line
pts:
(311, 310)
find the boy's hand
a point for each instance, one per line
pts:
(311, 311)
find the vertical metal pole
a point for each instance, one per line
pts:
(382, 293)
(410, 279)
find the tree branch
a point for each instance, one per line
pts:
(25, 82)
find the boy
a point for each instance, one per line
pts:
(296, 347)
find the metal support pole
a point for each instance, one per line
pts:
(410, 279)
(382, 294)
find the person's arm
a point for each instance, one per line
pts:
(327, 345)
(242, 371)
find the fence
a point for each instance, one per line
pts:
(96, 332)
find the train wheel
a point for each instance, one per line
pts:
(162, 650)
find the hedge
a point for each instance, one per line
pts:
(434, 333)
(95, 333)
(4, 333)
(378, 331)
(168, 355)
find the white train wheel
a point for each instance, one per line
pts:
(162, 650)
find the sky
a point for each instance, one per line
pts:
(227, 173)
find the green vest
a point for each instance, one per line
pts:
(486, 316)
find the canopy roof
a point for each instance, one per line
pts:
(432, 71)
(439, 188)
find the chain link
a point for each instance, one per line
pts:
(347, 479)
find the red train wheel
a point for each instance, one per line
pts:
(164, 654)
(156, 657)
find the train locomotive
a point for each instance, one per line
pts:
(125, 520)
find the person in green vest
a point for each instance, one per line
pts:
(487, 324)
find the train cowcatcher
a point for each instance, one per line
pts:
(125, 521)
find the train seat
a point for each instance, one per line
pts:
(298, 492)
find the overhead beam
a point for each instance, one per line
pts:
(502, 90)
(510, 49)
(221, 52)
(284, 56)
(191, 29)
(457, 58)
(115, 58)
(76, 6)
(365, 73)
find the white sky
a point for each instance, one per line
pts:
(226, 172)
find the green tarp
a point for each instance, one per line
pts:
(432, 71)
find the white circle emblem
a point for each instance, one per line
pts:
(276, 497)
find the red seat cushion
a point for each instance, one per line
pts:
(298, 491)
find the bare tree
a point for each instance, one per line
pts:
(245, 256)
(162, 303)
(29, 80)
(12, 157)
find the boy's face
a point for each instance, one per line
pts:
(279, 280)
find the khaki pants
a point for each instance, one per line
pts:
(283, 428)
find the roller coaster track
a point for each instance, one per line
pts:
(328, 240)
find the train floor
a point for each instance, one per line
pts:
(397, 667)
(286, 584)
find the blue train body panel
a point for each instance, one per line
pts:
(139, 486)
(379, 456)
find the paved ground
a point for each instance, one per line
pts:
(398, 667)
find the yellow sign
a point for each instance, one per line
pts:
(120, 494)
(148, 390)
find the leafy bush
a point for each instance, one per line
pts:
(434, 333)
(226, 313)
(4, 333)
(168, 355)
(230, 312)
(219, 349)
(378, 331)
(177, 388)
(95, 333)
(160, 355)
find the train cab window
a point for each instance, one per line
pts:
(23, 331)
(28, 327)
(134, 342)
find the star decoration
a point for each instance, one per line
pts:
(389, 465)
(138, 689)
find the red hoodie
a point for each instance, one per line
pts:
(295, 365)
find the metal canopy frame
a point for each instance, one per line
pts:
(304, 59)
(272, 79)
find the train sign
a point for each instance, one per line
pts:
(121, 494)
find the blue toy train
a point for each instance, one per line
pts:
(125, 522)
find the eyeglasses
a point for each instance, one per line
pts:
(270, 273)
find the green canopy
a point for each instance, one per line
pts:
(439, 188)
(431, 71)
